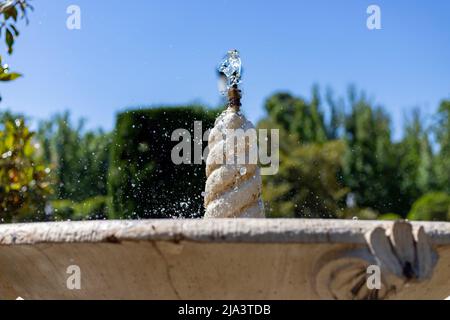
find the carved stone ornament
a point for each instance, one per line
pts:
(403, 256)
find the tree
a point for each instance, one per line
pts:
(415, 162)
(433, 206)
(143, 180)
(24, 180)
(442, 131)
(10, 12)
(307, 184)
(297, 116)
(80, 159)
(370, 166)
(337, 115)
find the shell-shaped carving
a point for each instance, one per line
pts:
(233, 188)
(343, 276)
(403, 257)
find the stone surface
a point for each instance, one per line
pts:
(233, 187)
(197, 259)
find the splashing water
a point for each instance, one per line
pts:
(231, 67)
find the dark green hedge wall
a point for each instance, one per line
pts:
(143, 180)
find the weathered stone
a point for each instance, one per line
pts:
(213, 259)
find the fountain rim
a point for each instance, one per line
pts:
(307, 231)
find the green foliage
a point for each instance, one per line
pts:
(306, 191)
(10, 12)
(433, 206)
(371, 165)
(307, 182)
(95, 208)
(415, 162)
(357, 213)
(323, 160)
(383, 176)
(366, 164)
(143, 180)
(24, 181)
(361, 213)
(351, 152)
(80, 159)
(442, 161)
(5, 75)
(62, 209)
(389, 216)
(296, 116)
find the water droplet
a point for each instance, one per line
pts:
(184, 205)
(7, 154)
(243, 171)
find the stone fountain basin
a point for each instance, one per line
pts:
(190, 259)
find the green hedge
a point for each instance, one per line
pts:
(389, 216)
(62, 209)
(433, 206)
(143, 180)
(95, 208)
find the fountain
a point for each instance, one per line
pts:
(233, 187)
(226, 258)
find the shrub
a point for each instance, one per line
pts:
(62, 209)
(95, 208)
(299, 189)
(143, 180)
(358, 213)
(390, 216)
(79, 158)
(24, 181)
(434, 206)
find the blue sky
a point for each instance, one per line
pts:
(150, 52)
